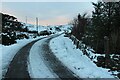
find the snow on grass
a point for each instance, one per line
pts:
(74, 59)
(36, 65)
(8, 52)
(92, 55)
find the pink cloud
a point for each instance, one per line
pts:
(55, 21)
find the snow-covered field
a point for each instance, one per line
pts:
(37, 67)
(8, 52)
(51, 28)
(74, 59)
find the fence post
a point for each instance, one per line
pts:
(106, 44)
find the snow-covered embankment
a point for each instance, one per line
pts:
(74, 59)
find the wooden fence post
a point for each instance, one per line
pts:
(106, 44)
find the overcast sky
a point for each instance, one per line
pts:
(49, 13)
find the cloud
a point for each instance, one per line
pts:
(49, 13)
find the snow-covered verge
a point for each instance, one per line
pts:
(113, 57)
(8, 52)
(36, 65)
(74, 59)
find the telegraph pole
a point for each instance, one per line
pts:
(26, 24)
(37, 24)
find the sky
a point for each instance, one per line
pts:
(48, 13)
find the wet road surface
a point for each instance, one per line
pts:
(18, 66)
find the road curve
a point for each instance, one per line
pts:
(18, 66)
(52, 62)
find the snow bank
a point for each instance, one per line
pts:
(37, 67)
(8, 52)
(74, 59)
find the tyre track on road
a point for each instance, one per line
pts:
(52, 62)
(18, 66)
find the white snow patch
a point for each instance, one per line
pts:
(74, 59)
(8, 52)
(37, 67)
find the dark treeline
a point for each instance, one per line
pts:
(9, 28)
(102, 31)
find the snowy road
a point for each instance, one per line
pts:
(53, 63)
(18, 66)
